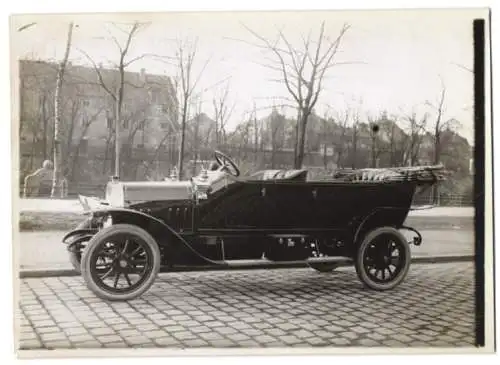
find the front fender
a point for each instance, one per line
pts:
(78, 233)
(129, 216)
(166, 237)
(74, 245)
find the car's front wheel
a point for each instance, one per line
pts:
(120, 262)
(383, 259)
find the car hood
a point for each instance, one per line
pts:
(121, 194)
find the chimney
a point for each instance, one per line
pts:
(143, 74)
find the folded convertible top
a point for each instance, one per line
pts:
(419, 174)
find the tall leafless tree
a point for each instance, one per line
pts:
(277, 124)
(222, 112)
(343, 125)
(373, 130)
(415, 129)
(441, 123)
(117, 90)
(196, 140)
(185, 57)
(56, 181)
(86, 123)
(302, 70)
(395, 140)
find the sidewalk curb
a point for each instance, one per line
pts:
(47, 273)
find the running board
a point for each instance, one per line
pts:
(268, 263)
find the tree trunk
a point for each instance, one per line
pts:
(44, 119)
(117, 139)
(301, 140)
(325, 160)
(32, 154)
(437, 149)
(296, 138)
(57, 120)
(354, 147)
(183, 137)
(374, 152)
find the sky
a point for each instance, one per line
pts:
(398, 59)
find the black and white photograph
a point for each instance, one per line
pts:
(299, 182)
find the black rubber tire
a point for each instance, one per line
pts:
(359, 261)
(103, 235)
(324, 267)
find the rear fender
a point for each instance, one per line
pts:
(379, 217)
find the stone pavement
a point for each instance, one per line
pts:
(434, 307)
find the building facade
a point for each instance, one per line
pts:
(148, 123)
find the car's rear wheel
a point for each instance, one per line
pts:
(120, 262)
(324, 267)
(383, 259)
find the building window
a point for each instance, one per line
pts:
(164, 125)
(154, 95)
(109, 121)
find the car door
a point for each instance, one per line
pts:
(292, 204)
(239, 206)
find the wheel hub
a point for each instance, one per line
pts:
(122, 263)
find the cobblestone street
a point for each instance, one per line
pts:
(257, 308)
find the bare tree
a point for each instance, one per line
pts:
(256, 136)
(186, 53)
(117, 90)
(395, 140)
(343, 124)
(302, 71)
(56, 181)
(277, 125)
(415, 129)
(170, 133)
(86, 123)
(196, 137)
(373, 130)
(355, 126)
(223, 112)
(441, 123)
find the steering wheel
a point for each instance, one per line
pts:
(226, 163)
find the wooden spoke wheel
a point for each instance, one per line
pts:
(383, 259)
(120, 262)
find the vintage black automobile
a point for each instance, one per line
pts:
(273, 216)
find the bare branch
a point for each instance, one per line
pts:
(99, 75)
